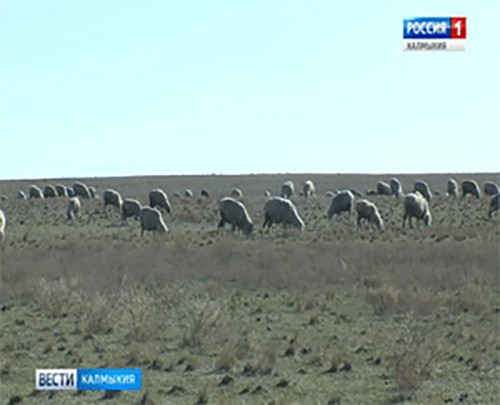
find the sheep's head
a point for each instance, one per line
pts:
(428, 219)
(248, 228)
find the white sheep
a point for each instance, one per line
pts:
(368, 211)
(279, 210)
(49, 191)
(92, 192)
(470, 187)
(234, 213)
(491, 188)
(267, 193)
(188, 193)
(416, 206)
(61, 190)
(70, 191)
(423, 188)
(356, 192)
(204, 193)
(112, 197)
(158, 198)
(287, 189)
(494, 205)
(2, 225)
(383, 188)
(341, 202)
(35, 192)
(236, 193)
(131, 208)
(73, 208)
(309, 189)
(151, 220)
(81, 190)
(396, 188)
(452, 188)
(21, 195)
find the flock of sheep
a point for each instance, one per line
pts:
(277, 209)
(150, 217)
(280, 210)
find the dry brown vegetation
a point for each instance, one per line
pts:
(336, 315)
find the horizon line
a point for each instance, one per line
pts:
(482, 173)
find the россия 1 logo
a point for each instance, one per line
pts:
(434, 34)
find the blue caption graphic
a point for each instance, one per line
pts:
(56, 379)
(427, 28)
(125, 379)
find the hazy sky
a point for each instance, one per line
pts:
(110, 88)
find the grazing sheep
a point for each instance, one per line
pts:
(267, 193)
(234, 212)
(35, 192)
(371, 191)
(49, 192)
(396, 188)
(416, 206)
(2, 225)
(423, 188)
(309, 189)
(205, 193)
(236, 193)
(158, 198)
(494, 205)
(61, 190)
(81, 190)
(356, 192)
(470, 187)
(383, 188)
(188, 193)
(151, 220)
(73, 208)
(490, 188)
(92, 192)
(452, 188)
(367, 210)
(112, 197)
(340, 203)
(278, 210)
(130, 208)
(287, 189)
(70, 191)
(21, 195)
(177, 194)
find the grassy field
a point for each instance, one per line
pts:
(335, 315)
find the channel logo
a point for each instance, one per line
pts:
(434, 34)
(89, 379)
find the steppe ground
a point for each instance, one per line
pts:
(336, 315)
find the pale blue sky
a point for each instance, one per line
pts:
(110, 88)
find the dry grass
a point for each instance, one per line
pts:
(384, 299)
(99, 313)
(421, 352)
(203, 319)
(56, 299)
